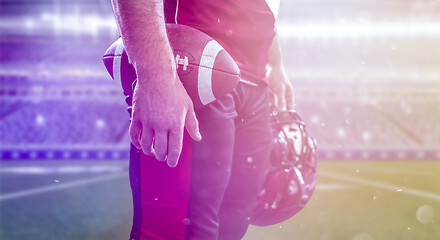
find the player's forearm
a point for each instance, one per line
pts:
(275, 56)
(142, 27)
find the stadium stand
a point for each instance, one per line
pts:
(339, 123)
(70, 122)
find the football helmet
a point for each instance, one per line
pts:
(291, 177)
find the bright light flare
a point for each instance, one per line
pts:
(356, 30)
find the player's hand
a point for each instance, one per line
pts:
(282, 95)
(160, 112)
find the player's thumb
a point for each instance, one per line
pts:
(272, 99)
(290, 98)
(192, 124)
(281, 100)
(134, 132)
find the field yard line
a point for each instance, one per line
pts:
(407, 172)
(390, 187)
(60, 186)
(332, 187)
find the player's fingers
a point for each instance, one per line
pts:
(290, 98)
(160, 144)
(175, 140)
(134, 132)
(281, 99)
(272, 98)
(147, 141)
(192, 124)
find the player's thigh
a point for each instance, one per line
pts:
(252, 146)
(210, 168)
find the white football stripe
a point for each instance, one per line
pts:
(117, 61)
(205, 71)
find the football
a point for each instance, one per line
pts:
(206, 70)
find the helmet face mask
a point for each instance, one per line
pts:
(291, 177)
(294, 137)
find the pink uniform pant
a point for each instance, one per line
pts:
(212, 191)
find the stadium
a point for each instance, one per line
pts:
(367, 84)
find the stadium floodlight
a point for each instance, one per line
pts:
(29, 24)
(40, 120)
(75, 23)
(366, 136)
(358, 29)
(46, 16)
(340, 132)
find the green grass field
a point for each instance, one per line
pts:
(360, 200)
(353, 200)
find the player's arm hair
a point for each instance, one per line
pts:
(275, 56)
(142, 27)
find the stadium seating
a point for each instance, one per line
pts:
(63, 122)
(339, 124)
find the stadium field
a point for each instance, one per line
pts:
(353, 200)
(366, 200)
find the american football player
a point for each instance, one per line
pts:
(211, 162)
